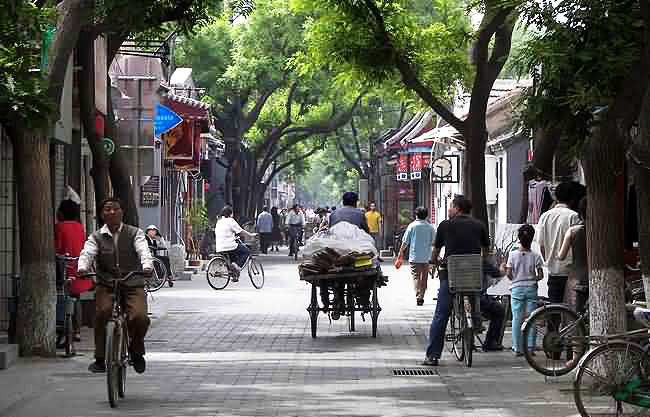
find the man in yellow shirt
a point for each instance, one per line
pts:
(373, 217)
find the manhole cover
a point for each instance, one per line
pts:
(183, 312)
(75, 375)
(414, 372)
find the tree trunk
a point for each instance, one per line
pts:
(474, 167)
(118, 170)
(603, 162)
(37, 295)
(99, 171)
(639, 157)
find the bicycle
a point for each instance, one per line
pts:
(117, 343)
(294, 233)
(613, 379)
(559, 329)
(220, 271)
(159, 276)
(465, 274)
(66, 305)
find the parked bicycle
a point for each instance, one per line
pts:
(220, 271)
(65, 306)
(117, 342)
(613, 379)
(559, 338)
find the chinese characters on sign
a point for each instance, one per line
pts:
(403, 168)
(150, 192)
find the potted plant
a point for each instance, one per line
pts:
(196, 219)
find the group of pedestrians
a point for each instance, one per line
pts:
(562, 240)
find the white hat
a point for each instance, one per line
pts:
(152, 226)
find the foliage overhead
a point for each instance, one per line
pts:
(23, 89)
(583, 51)
(433, 36)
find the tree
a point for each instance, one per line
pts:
(379, 41)
(145, 20)
(594, 57)
(29, 103)
(263, 107)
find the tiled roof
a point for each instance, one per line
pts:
(186, 100)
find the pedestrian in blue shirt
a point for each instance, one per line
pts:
(418, 237)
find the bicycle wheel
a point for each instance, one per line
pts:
(606, 380)
(256, 273)
(121, 388)
(112, 362)
(458, 324)
(67, 327)
(553, 340)
(218, 273)
(158, 277)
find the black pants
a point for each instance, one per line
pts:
(556, 287)
(265, 241)
(493, 311)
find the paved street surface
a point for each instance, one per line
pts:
(248, 352)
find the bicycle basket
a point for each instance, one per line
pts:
(465, 272)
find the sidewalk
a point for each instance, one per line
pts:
(246, 352)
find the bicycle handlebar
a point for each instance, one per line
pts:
(124, 278)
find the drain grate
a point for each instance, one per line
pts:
(414, 372)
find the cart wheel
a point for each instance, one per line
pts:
(313, 311)
(375, 309)
(350, 308)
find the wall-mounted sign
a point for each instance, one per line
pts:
(164, 120)
(150, 192)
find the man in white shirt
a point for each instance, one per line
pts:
(264, 227)
(552, 227)
(118, 249)
(295, 222)
(225, 239)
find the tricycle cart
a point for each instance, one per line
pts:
(349, 292)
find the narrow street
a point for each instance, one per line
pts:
(246, 352)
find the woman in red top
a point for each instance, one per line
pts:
(69, 239)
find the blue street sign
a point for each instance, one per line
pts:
(164, 120)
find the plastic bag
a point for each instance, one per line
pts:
(343, 237)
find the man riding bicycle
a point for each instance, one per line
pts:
(296, 221)
(460, 235)
(118, 249)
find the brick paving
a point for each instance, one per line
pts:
(248, 352)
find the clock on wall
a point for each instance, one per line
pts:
(441, 169)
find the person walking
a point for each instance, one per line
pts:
(524, 268)
(374, 220)
(264, 226)
(118, 249)
(276, 232)
(419, 239)
(460, 235)
(553, 226)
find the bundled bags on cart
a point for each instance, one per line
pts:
(343, 238)
(344, 247)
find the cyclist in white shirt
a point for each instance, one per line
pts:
(226, 232)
